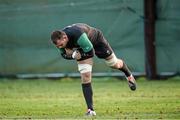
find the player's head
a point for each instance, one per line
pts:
(59, 38)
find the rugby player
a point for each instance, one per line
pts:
(81, 42)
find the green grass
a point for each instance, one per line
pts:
(34, 99)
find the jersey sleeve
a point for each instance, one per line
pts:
(86, 46)
(85, 43)
(64, 55)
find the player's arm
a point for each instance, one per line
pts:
(86, 47)
(64, 55)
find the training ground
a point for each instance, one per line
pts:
(63, 99)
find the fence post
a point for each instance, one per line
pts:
(149, 34)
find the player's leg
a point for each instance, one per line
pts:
(119, 64)
(85, 69)
(104, 50)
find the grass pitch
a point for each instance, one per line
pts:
(63, 99)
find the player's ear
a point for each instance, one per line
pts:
(65, 37)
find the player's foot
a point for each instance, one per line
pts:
(131, 82)
(91, 113)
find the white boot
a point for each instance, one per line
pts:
(91, 113)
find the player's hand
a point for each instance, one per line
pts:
(76, 55)
(69, 52)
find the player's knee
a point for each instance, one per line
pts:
(119, 64)
(86, 77)
(114, 62)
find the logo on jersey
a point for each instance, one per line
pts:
(108, 52)
(87, 48)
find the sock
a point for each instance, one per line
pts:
(88, 93)
(125, 69)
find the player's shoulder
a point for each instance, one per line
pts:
(73, 29)
(77, 26)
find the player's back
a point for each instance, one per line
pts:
(75, 30)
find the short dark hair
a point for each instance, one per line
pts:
(57, 34)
